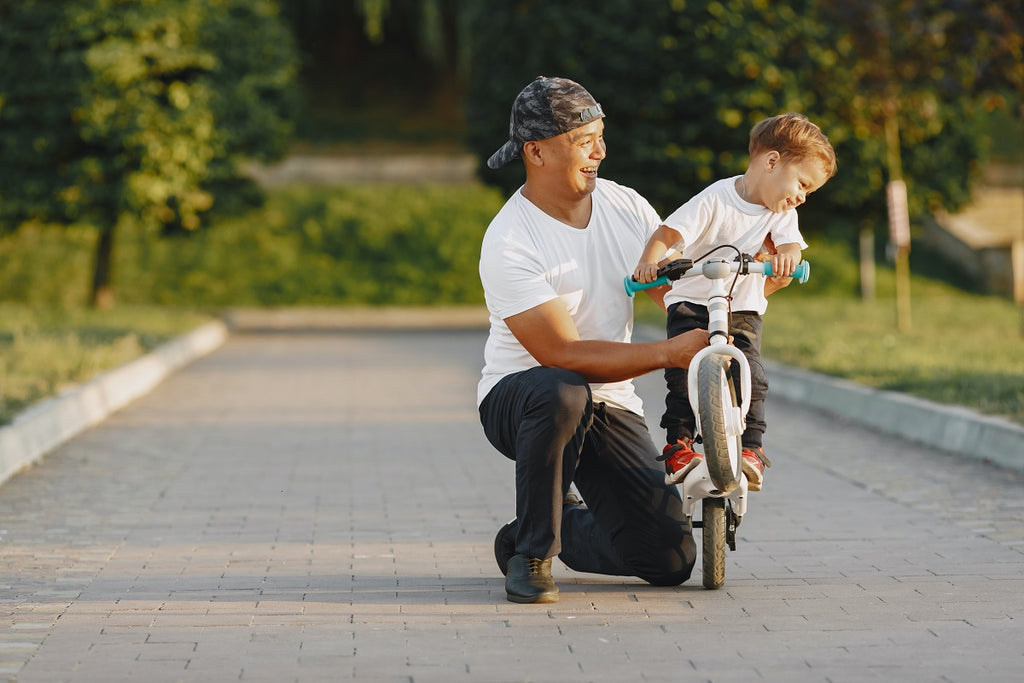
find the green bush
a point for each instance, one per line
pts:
(358, 245)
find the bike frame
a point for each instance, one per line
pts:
(698, 484)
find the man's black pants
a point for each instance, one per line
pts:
(631, 523)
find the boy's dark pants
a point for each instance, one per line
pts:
(745, 327)
(631, 523)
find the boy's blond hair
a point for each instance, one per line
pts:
(793, 136)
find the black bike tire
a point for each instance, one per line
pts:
(716, 394)
(713, 542)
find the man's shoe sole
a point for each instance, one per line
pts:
(543, 598)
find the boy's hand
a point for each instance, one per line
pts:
(646, 272)
(774, 283)
(783, 264)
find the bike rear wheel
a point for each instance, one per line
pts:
(713, 525)
(721, 423)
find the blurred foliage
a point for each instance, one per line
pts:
(682, 82)
(380, 70)
(358, 245)
(115, 110)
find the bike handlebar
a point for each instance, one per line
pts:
(802, 272)
(674, 270)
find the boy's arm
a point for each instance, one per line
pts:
(663, 239)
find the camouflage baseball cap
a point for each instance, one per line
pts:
(545, 108)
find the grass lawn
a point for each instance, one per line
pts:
(43, 351)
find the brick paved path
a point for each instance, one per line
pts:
(321, 507)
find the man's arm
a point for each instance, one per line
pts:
(550, 335)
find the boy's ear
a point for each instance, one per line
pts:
(771, 160)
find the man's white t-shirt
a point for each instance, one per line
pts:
(529, 258)
(716, 216)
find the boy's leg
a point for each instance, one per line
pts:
(632, 523)
(746, 331)
(678, 419)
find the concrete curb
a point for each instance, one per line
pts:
(51, 422)
(948, 428)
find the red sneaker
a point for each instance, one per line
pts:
(679, 458)
(754, 463)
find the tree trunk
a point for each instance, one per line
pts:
(102, 295)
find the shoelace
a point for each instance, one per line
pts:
(535, 565)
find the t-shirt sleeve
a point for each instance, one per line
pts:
(689, 220)
(513, 278)
(787, 230)
(649, 218)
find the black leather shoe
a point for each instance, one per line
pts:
(505, 539)
(505, 545)
(529, 580)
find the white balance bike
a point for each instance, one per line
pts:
(718, 481)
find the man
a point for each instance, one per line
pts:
(556, 394)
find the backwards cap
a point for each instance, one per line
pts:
(545, 108)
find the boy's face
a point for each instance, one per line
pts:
(786, 184)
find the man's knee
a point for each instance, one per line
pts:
(675, 578)
(669, 566)
(565, 394)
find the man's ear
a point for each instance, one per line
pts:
(533, 154)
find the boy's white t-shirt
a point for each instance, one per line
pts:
(529, 258)
(718, 215)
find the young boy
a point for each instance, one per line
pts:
(790, 158)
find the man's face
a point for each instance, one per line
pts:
(575, 156)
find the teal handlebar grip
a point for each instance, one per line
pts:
(632, 286)
(801, 273)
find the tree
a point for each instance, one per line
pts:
(115, 110)
(914, 78)
(682, 82)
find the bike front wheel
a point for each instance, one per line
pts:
(721, 422)
(713, 523)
